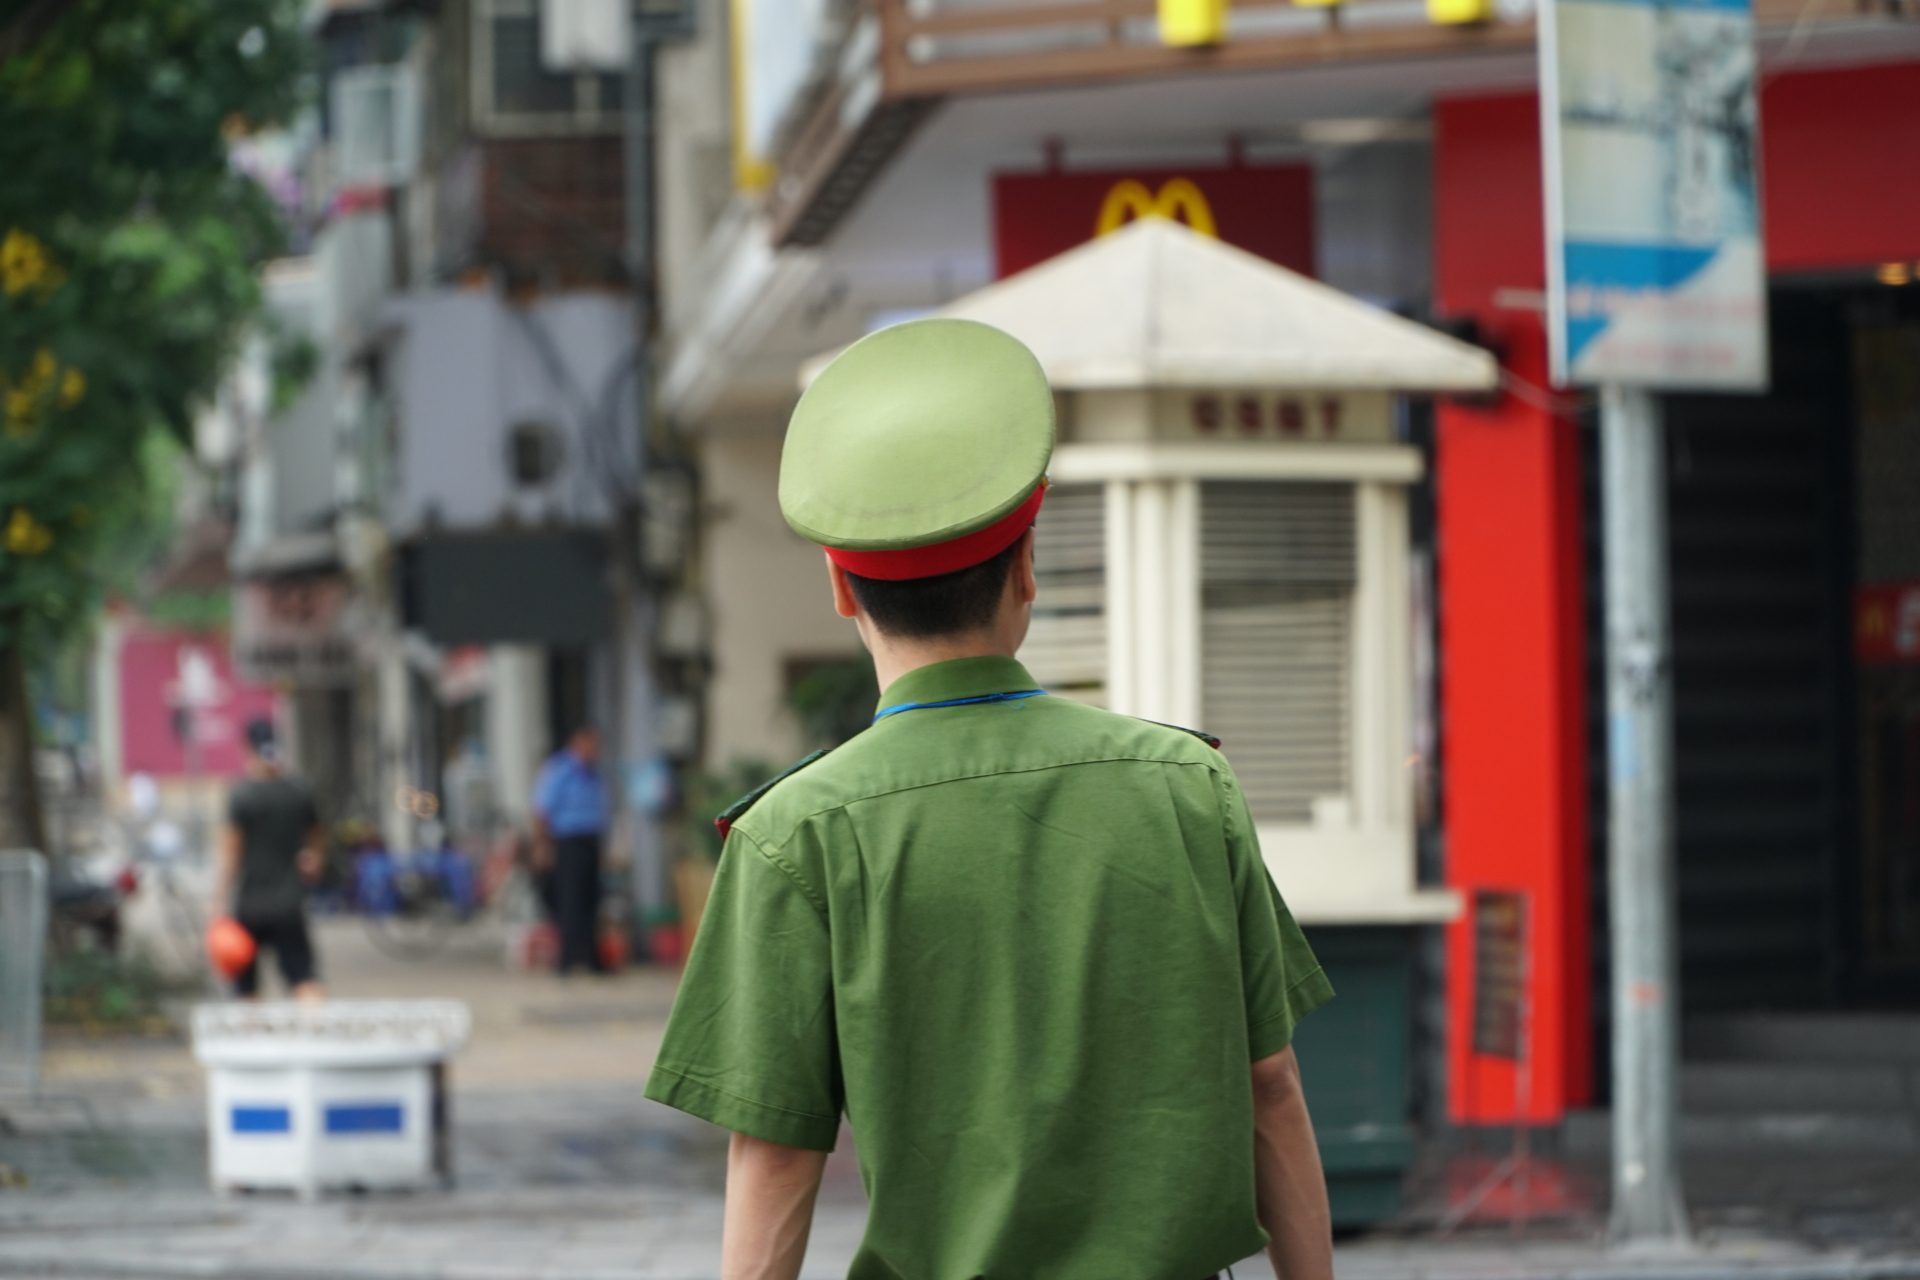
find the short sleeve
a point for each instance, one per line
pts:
(1280, 978)
(750, 1045)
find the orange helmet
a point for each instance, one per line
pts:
(229, 946)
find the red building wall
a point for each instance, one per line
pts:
(1840, 166)
(1841, 175)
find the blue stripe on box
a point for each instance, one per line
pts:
(261, 1120)
(364, 1117)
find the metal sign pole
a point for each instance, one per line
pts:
(1646, 1173)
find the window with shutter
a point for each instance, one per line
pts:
(1277, 579)
(516, 88)
(375, 124)
(1066, 648)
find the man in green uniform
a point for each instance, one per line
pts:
(1028, 948)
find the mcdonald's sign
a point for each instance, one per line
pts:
(1264, 209)
(1177, 200)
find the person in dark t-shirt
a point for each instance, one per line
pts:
(269, 853)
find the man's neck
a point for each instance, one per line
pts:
(893, 658)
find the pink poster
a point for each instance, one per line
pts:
(173, 682)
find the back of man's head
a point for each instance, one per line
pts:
(952, 604)
(262, 741)
(918, 459)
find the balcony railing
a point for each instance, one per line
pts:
(903, 57)
(957, 47)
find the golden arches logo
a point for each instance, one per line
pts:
(1178, 200)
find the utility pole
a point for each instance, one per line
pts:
(630, 666)
(641, 682)
(1671, 295)
(1642, 888)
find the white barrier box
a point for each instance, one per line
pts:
(340, 1094)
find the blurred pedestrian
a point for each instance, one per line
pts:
(570, 824)
(271, 850)
(1028, 947)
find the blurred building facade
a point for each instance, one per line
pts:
(424, 563)
(889, 157)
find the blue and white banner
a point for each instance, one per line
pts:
(1655, 274)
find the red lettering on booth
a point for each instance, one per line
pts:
(1206, 413)
(1246, 412)
(1293, 418)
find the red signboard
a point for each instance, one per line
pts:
(1886, 623)
(1264, 209)
(170, 680)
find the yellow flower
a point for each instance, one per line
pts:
(19, 411)
(73, 388)
(25, 535)
(23, 263)
(43, 368)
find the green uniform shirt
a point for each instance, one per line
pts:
(1029, 948)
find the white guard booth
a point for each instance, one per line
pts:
(345, 1094)
(1225, 547)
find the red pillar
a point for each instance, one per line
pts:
(1512, 633)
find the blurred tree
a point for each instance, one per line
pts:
(127, 255)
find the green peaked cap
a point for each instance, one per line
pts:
(915, 435)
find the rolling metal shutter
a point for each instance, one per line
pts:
(1066, 648)
(1277, 577)
(1759, 497)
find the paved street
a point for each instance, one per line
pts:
(565, 1171)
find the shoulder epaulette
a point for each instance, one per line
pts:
(731, 814)
(1201, 734)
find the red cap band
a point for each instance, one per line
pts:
(952, 556)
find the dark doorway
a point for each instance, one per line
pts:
(1761, 556)
(1886, 967)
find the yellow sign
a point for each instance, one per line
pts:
(1454, 13)
(1187, 23)
(1129, 199)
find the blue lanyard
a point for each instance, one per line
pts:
(1015, 696)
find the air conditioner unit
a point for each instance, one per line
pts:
(376, 125)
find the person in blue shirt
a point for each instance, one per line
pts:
(569, 824)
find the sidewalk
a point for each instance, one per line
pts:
(629, 1234)
(565, 1171)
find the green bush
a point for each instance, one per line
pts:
(95, 988)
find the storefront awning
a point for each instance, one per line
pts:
(1156, 304)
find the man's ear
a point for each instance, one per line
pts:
(843, 602)
(1024, 581)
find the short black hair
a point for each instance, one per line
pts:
(260, 735)
(950, 604)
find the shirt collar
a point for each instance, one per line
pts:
(959, 678)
